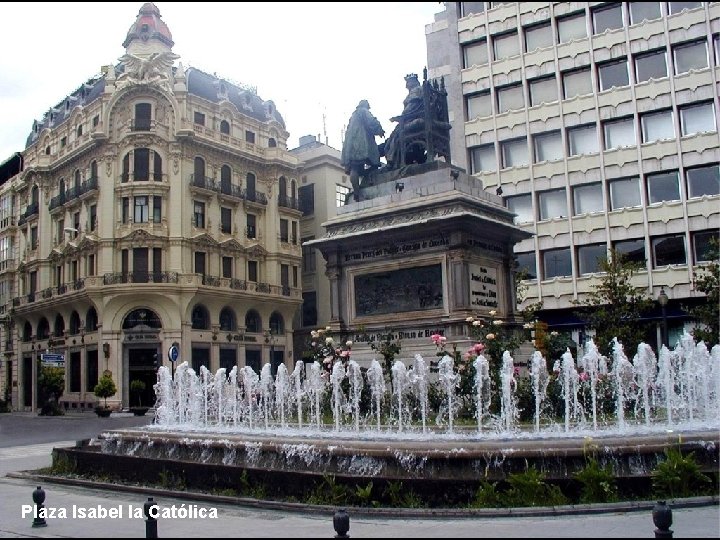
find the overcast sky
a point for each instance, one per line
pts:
(309, 58)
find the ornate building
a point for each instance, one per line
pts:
(157, 204)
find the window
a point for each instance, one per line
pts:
(250, 137)
(95, 120)
(522, 206)
(514, 153)
(619, 133)
(141, 164)
(526, 266)
(644, 11)
(716, 42)
(510, 98)
(668, 250)
(468, 8)
(475, 54)
(703, 181)
(572, 27)
(309, 309)
(657, 126)
(677, 7)
(125, 209)
(63, 142)
(651, 65)
(283, 230)
(157, 209)
(200, 318)
(227, 320)
(199, 214)
(308, 256)
(607, 18)
(306, 199)
(143, 112)
(33, 238)
(483, 158)
(141, 212)
(631, 250)
(590, 258)
(60, 231)
(538, 36)
(92, 217)
(577, 83)
(252, 271)
(624, 193)
(582, 140)
(543, 91)
(224, 127)
(588, 199)
(548, 146)
(226, 220)
(697, 118)
(251, 227)
(690, 56)
(294, 232)
(556, 263)
(702, 246)
(200, 260)
(227, 265)
(613, 74)
(479, 105)
(199, 118)
(553, 204)
(91, 265)
(663, 187)
(506, 45)
(341, 195)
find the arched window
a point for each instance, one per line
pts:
(79, 131)
(199, 172)
(227, 320)
(225, 178)
(74, 323)
(253, 323)
(277, 325)
(34, 195)
(27, 331)
(225, 127)
(43, 329)
(282, 187)
(141, 317)
(47, 150)
(293, 189)
(93, 170)
(61, 189)
(91, 320)
(200, 318)
(59, 329)
(272, 143)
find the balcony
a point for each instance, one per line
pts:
(288, 202)
(116, 278)
(142, 124)
(253, 196)
(249, 286)
(30, 211)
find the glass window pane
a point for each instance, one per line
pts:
(690, 56)
(619, 134)
(522, 206)
(657, 126)
(510, 98)
(697, 119)
(590, 257)
(573, 27)
(472, 7)
(703, 181)
(607, 19)
(483, 158)
(514, 153)
(702, 247)
(650, 66)
(543, 91)
(577, 83)
(475, 54)
(479, 105)
(613, 74)
(538, 36)
(506, 45)
(582, 140)
(644, 11)
(625, 193)
(552, 204)
(526, 262)
(677, 7)
(588, 199)
(631, 250)
(556, 262)
(668, 250)
(663, 187)
(548, 147)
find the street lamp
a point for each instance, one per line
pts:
(663, 300)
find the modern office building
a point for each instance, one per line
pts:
(598, 124)
(156, 205)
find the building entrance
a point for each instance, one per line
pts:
(143, 366)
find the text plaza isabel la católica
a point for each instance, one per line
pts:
(182, 511)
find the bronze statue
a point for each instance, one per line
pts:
(411, 117)
(360, 155)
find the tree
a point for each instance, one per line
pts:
(105, 388)
(51, 384)
(137, 387)
(615, 306)
(707, 314)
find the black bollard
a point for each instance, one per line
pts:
(341, 522)
(39, 498)
(662, 518)
(150, 519)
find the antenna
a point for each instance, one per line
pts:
(325, 128)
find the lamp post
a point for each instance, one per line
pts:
(663, 300)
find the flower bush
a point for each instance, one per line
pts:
(324, 349)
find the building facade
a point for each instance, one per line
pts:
(598, 124)
(156, 205)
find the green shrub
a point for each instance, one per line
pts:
(678, 475)
(598, 483)
(105, 388)
(530, 489)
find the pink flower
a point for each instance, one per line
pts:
(478, 348)
(584, 376)
(516, 371)
(436, 338)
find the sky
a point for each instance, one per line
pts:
(316, 61)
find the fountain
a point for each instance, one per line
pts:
(213, 429)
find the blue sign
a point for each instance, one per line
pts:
(173, 353)
(52, 359)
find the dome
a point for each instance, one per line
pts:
(147, 26)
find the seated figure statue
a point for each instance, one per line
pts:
(411, 119)
(360, 155)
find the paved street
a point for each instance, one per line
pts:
(32, 450)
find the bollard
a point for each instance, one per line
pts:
(662, 518)
(39, 498)
(341, 522)
(150, 521)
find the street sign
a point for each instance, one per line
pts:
(52, 359)
(173, 353)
